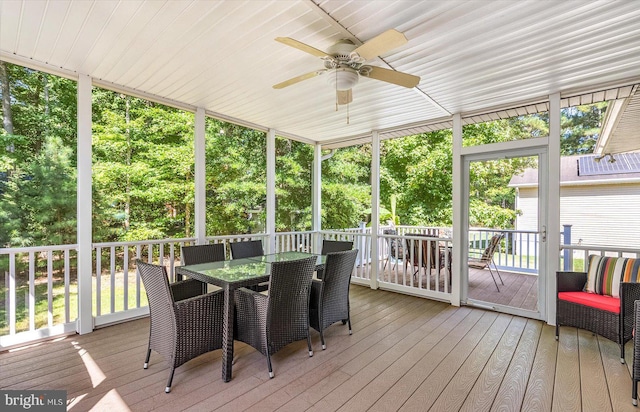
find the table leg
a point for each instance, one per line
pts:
(227, 333)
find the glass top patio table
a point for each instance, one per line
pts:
(287, 256)
(231, 275)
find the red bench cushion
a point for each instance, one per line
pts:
(602, 302)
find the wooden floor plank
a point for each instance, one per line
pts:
(427, 393)
(485, 390)
(405, 353)
(539, 393)
(566, 393)
(383, 381)
(513, 386)
(592, 378)
(618, 377)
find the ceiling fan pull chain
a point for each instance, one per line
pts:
(347, 113)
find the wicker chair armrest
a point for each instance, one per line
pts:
(250, 302)
(205, 310)
(570, 281)
(186, 289)
(213, 300)
(629, 294)
(314, 298)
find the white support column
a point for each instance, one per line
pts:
(200, 178)
(316, 196)
(271, 191)
(553, 206)
(459, 221)
(375, 207)
(84, 324)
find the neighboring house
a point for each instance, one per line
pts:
(599, 198)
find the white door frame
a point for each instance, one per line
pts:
(521, 148)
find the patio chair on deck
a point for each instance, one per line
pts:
(184, 324)
(486, 260)
(331, 246)
(246, 249)
(269, 323)
(429, 256)
(396, 251)
(329, 301)
(192, 255)
(249, 248)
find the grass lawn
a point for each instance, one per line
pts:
(58, 301)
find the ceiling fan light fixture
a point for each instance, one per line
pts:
(343, 78)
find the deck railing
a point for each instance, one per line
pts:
(575, 257)
(39, 296)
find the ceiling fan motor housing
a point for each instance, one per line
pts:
(343, 78)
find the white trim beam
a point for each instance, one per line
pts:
(200, 178)
(375, 207)
(553, 204)
(271, 191)
(459, 221)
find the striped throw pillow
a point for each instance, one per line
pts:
(604, 274)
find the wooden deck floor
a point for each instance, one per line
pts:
(406, 353)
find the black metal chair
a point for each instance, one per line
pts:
(330, 246)
(184, 324)
(329, 301)
(245, 249)
(270, 322)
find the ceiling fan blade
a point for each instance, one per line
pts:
(298, 79)
(344, 96)
(381, 44)
(301, 46)
(392, 76)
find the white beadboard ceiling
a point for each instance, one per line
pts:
(473, 57)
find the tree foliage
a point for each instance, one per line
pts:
(143, 169)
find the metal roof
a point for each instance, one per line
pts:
(473, 57)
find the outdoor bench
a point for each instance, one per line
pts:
(601, 299)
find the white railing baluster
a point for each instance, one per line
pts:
(32, 291)
(50, 288)
(67, 313)
(125, 275)
(12, 293)
(138, 256)
(112, 280)
(98, 281)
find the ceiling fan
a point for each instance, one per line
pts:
(344, 64)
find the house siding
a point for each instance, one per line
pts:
(600, 214)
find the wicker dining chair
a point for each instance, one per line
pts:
(184, 324)
(270, 322)
(329, 300)
(245, 249)
(330, 246)
(192, 255)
